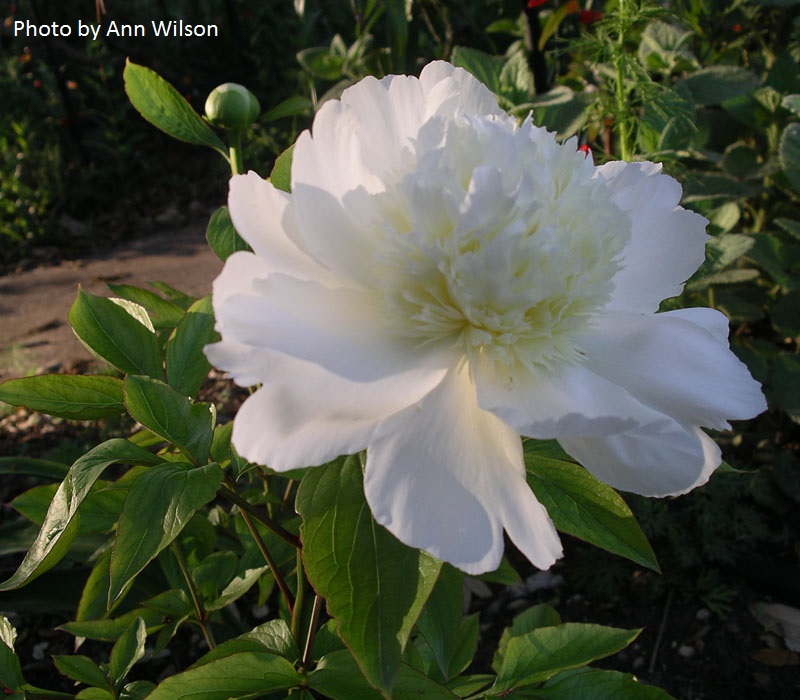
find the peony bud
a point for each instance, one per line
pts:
(232, 106)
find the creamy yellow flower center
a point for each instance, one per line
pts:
(498, 239)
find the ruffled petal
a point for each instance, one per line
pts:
(570, 401)
(447, 477)
(304, 415)
(339, 329)
(677, 364)
(265, 218)
(454, 92)
(667, 242)
(660, 459)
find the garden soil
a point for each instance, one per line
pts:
(35, 336)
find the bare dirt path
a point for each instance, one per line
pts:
(34, 333)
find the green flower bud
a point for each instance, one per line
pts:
(232, 106)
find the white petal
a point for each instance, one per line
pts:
(304, 415)
(238, 276)
(453, 92)
(446, 476)
(337, 328)
(660, 459)
(571, 400)
(674, 365)
(667, 242)
(265, 218)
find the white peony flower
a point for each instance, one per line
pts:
(442, 280)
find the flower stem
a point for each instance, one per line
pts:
(235, 151)
(621, 93)
(229, 493)
(276, 573)
(198, 606)
(312, 630)
(299, 601)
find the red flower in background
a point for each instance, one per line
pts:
(536, 3)
(589, 16)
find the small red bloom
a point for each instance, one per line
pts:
(737, 28)
(589, 16)
(37, 83)
(587, 152)
(536, 3)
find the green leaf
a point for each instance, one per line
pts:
(338, 676)
(786, 315)
(127, 650)
(322, 62)
(75, 397)
(776, 258)
(789, 153)
(276, 637)
(785, 381)
(118, 337)
(31, 466)
(94, 694)
(99, 510)
(222, 236)
(534, 618)
(792, 103)
(109, 630)
(346, 551)
(467, 686)
(163, 313)
(588, 509)
(551, 24)
(236, 587)
(138, 690)
(483, 66)
(281, 175)
(158, 407)
(539, 655)
(791, 226)
(240, 675)
(158, 506)
(163, 106)
(440, 620)
(187, 365)
(61, 525)
(596, 684)
(715, 84)
(10, 670)
(82, 669)
(290, 107)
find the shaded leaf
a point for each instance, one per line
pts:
(281, 175)
(539, 655)
(222, 236)
(595, 684)
(163, 106)
(158, 506)
(715, 84)
(789, 153)
(113, 334)
(586, 508)
(187, 365)
(240, 675)
(60, 525)
(75, 397)
(339, 677)
(160, 408)
(127, 650)
(345, 551)
(163, 313)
